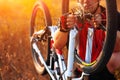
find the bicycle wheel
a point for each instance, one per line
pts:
(40, 20)
(65, 6)
(108, 46)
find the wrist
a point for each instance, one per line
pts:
(64, 29)
(63, 26)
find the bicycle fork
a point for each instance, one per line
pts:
(68, 73)
(71, 49)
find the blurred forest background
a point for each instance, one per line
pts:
(15, 54)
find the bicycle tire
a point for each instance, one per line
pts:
(65, 6)
(41, 7)
(108, 47)
(110, 39)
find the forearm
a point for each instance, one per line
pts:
(60, 39)
(61, 35)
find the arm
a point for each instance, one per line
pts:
(60, 39)
(61, 35)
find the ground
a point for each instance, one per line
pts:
(15, 53)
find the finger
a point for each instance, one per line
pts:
(71, 20)
(70, 25)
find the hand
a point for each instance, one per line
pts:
(71, 21)
(67, 22)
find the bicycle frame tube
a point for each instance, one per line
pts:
(62, 65)
(35, 47)
(71, 50)
(42, 60)
(61, 61)
(67, 72)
